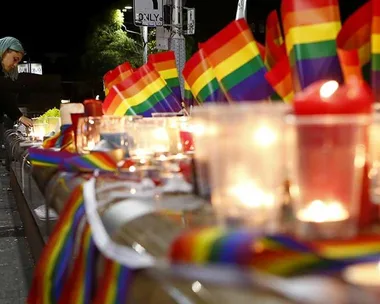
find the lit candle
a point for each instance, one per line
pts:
(364, 275)
(320, 212)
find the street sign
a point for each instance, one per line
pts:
(148, 13)
(32, 68)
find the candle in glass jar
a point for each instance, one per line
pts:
(93, 107)
(319, 212)
(249, 195)
(365, 275)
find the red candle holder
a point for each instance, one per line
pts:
(93, 107)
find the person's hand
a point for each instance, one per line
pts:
(27, 122)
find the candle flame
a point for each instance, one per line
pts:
(319, 212)
(252, 196)
(265, 136)
(328, 88)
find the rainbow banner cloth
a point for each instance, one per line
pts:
(276, 254)
(235, 58)
(143, 93)
(166, 65)
(48, 158)
(201, 79)
(274, 42)
(116, 76)
(53, 266)
(375, 49)
(63, 140)
(311, 28)
(354, 44)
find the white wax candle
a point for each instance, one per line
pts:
(67, 109)
(319, 212)
(367, 274)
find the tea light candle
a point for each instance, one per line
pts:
(365, 275)
(320, 212)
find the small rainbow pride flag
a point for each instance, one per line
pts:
(274, 42)
(375, 49)
(200, 77)
(354, 44)
(235, 57)
(53, 266)
(311, 28)
(166, 65)
(80, 286)
(143, 93)
(61, 140)
(114, 284)
(280, 77)
(116, 76)
(188, 98)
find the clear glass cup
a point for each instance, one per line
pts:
(88, 134)
(327, 156)
(244, 150)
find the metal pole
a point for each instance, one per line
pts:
(241, 10)
(177, 42)
(144, 30)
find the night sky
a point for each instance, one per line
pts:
(61, 26)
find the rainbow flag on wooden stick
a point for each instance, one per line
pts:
(116, 76)
(235, 57)
(200, 78)
(311, 28)
(166, 66)
(375, 49)
(280, 77)
(143, 93)
(354, 44)
(274, 42)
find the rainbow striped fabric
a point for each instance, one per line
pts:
(51, 271)
(116, 76)
(188, 98)
(80, 285)
(166, 65)
(48, 158)
(354, 44)
(115, 284)
(201, 79)
(274, 42)
(375, 49)
(276, 254)
(103, 161)
(143, 93)
(63, 140)
(311, 28)
(280, 77)
(237, 64)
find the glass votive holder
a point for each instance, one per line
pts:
(54, 124)
(88, 134)
(374, 159)
(147, 139)
(328, 155)
(112, 130)
(39, 130)
(246, 163)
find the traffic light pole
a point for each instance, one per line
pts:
(177, 41)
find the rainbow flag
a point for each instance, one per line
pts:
(115, 284)
(235, 57)
(166, 65)
(80, 286)
(280, 77)
(354, 44)
(62, 140)
(375, 49)
(274, 42)
(276, 254)
(99, 160)
(200, 77)
(116, 76)
(52, 269)
(143, 93)
(188, 98)
(47, 157)
(311, 28)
